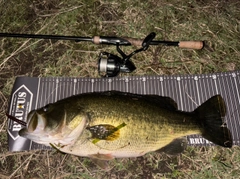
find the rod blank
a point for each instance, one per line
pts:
(36, 36)
(109, 40)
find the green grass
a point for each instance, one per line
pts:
(215, 22)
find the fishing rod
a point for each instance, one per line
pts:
(109, 40)
(111, 65)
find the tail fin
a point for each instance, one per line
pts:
(211, 117)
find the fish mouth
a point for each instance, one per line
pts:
(35, 124)
(39, 131)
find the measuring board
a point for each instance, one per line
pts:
(189, 91)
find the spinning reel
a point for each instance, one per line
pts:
(111, 65)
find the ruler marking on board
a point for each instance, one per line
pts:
(37, 95)
(196, 79)
(229, 102)
(231, 109)
(236, 102)
(180, 92)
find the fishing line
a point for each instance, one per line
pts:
(16, 120)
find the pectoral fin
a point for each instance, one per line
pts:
(177, 146)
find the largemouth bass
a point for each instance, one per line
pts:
(107, 125)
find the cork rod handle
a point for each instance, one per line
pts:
(191, 44)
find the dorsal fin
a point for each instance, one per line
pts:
(161, 101)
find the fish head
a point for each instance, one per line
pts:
(54, 124)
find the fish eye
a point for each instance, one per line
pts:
(46, 108)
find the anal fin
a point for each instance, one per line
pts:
(177, 146)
